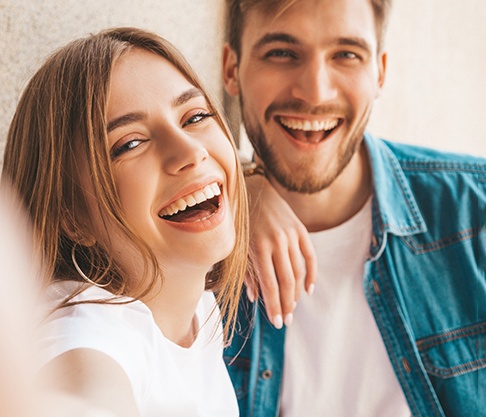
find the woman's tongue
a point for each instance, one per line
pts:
(196, 213)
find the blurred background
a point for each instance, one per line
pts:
(435, 91)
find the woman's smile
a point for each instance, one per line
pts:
(198, 211)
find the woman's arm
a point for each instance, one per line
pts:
(280, 251)
(91, 383)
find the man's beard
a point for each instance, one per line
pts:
(301, 179)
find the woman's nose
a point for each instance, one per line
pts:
(182, 153)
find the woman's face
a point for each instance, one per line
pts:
(173, 164)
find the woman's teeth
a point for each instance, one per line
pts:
(191, 200)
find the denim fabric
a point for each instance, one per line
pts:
(425, 283)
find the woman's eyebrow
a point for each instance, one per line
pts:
(137, 116)
(124, 120)
(186, 96)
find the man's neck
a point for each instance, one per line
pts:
(337, 203)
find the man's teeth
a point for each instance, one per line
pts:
(309, 125)
(191, 200)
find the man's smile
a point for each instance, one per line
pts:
(308, 130)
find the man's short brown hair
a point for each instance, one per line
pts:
(236, 11)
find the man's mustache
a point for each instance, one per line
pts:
(299, 107)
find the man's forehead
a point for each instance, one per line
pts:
(301, 20)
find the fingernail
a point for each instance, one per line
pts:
(250, 295)
(277, 321)
(289, 318)
(311, 289)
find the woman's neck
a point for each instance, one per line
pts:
(174, 306)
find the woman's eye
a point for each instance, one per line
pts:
(125, 147)
(197, 118)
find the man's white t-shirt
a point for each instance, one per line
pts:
(336, 363)
(167, 379)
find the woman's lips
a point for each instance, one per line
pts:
(192, 202)
(199, 211)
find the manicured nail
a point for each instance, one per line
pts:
(289, 318)
(311, 289)
(250, 295)
(277, 321)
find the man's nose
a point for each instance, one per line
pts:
(315, 83)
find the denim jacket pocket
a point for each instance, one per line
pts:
(455, 362)
(455, 352)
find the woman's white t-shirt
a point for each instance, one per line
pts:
(167, 379)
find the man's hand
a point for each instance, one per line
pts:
(281, 252)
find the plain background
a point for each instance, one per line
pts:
(434, 95)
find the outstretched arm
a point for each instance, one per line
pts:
(281, 252)
(23, 392)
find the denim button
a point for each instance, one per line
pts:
(406, 365)
(376, 287)
(374, 240)
(267, 374)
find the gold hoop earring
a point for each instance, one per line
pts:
(81, 273)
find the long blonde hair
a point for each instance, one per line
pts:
(62, 117)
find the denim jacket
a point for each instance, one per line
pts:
(425, 282)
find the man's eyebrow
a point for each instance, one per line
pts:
(276, 37)
(354, 41)
(124, 120)
(186, 96)
(286, 38)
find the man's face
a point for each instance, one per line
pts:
(307, 80)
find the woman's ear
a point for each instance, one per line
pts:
(230, 70)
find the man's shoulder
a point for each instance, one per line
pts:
(421, 158)
(413, 183)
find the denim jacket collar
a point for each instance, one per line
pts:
(394, 207)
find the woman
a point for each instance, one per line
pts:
(138, 208)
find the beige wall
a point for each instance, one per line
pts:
(435, 92)
(31, 29)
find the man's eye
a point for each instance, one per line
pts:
(347, 55)
(197, 118)
(279, 53)
(125, 147)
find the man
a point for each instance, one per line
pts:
(397, 323)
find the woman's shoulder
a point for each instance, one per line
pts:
(84, 300)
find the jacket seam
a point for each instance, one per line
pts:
(441, 243)
(451, 167)
(404, 186)
(437, 340)
(387, 289)
(455, 370)
(404, 384)
(257, 382)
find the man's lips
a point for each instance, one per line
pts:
(309, 130)
(193, 207)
